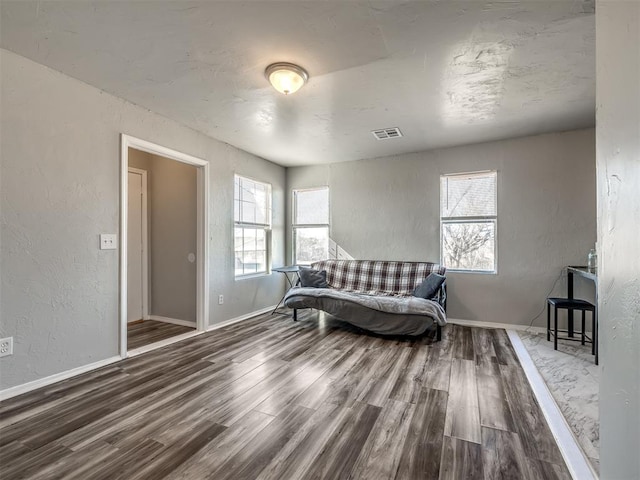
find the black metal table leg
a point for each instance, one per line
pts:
(291, 285)
(594, 347)
(570, 295)
(548, 321)
(278, 305)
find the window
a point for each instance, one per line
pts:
(252, 221)
(468, 220)
(310, 225)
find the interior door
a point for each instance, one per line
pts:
(134, 248)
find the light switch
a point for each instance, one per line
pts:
(108, 241)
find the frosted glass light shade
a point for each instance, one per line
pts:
(286, 78)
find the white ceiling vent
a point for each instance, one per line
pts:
(387, 133)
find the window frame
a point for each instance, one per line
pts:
(266, 227)
(470, 219)
(298, 226)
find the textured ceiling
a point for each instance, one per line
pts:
(445, 73)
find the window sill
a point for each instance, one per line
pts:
(252, 275)
(477, 272)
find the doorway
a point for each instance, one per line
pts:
(137, 259)
(163, 246)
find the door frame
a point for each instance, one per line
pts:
(202, 248)
(145, 239)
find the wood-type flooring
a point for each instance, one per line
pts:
(269, 398)
(152, 331)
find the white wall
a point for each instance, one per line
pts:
(388, 208)
(618, 165)
(60, 163)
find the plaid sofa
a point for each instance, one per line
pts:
(379, 277)
(375, 295)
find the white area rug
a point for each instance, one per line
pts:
(573, 379)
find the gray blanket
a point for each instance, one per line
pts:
(380, 314)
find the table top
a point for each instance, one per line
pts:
(586, 272)
(287, 269)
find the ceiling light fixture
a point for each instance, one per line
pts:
(286, 78)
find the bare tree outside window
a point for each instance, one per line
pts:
(468, 219)
(311, 244)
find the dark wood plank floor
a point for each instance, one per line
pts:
(152, 331)
(270, 398)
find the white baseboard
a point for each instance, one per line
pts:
(577, 462)
(506, 326)
(175, 321)
(246, 316)
(56, 377)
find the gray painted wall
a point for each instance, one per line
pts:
(618, 165)
(388, 208)
(60, 175)
(172, 212)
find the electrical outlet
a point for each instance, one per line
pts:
(220, 299)
(6, 346)
(108, 241)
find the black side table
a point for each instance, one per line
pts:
(291, 273)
